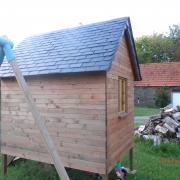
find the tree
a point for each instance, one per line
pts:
(174, 32)
(159, 47)
(174, 35)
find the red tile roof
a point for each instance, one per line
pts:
(160, 74)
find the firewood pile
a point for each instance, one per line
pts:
(165, 125)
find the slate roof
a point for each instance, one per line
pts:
(83, 49)
(159, 74)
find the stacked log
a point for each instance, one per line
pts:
(165, 125)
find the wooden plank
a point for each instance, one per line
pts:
(118, 148)
(4, 164)
(119, 131)
(90, 156)
(131, 164)
(118, 155)
(35, 143)
(40, 123)
(68, 161)
(80, 129)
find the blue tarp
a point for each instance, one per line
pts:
(6, 50)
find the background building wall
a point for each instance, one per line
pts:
(146, 96)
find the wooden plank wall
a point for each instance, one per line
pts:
(119, 130)
(74, 109)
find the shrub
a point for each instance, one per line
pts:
(163, 97)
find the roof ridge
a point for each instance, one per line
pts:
(162, 63)
(77, 27)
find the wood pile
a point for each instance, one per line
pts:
(165, 125)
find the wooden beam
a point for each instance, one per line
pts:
(131, 159)
(4, 164)
(6, 161)
(131, 162)
(40, 122)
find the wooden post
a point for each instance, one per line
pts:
(40, 122)
(131, 159)
(4, 164)
(131, 162)
(6, 160)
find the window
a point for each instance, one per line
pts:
(122, 95)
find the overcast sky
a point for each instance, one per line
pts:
(22, 18)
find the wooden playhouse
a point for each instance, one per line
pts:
(82, 80)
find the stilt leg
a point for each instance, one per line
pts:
(4, 164)
(131, 165)
(131, 162)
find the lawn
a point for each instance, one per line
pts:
(145, 111)
(152, 163)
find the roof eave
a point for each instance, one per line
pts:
(132, 50)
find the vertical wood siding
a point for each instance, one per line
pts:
(74, 109)
(119, 130)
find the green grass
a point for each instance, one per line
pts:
(145, 111)
(149, 165)
(147, 160)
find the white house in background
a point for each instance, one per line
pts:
(175, 97)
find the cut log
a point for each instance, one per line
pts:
(147, 137)
(161, 129)
(176, 116)
(178, 129)
(178, 135)
(171, 110)
(166, 125)
(137, 133)
(156, 139)
(171, 129)
(165, 114)
(141, 128)
(167, 107)
(155, 117)
(171, 122)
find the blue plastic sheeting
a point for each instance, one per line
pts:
(1, 55)
(6, 50)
